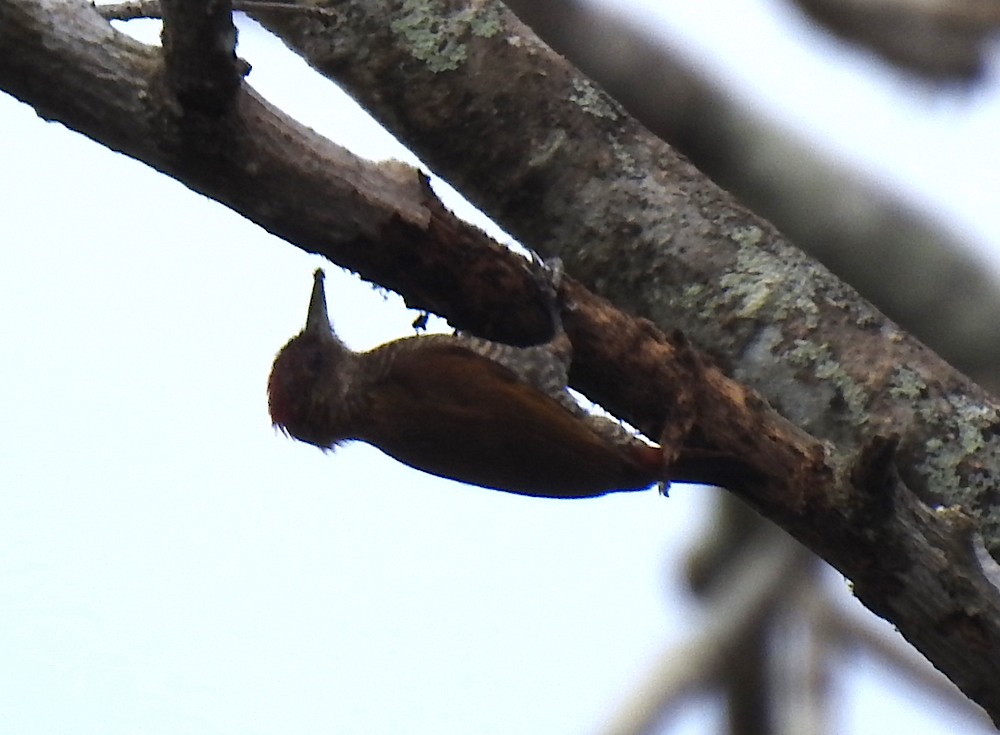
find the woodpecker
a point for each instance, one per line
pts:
(480, 412)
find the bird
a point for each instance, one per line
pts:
(480, 412)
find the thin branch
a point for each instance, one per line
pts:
(199, 49)
(857, 636)
(937, 39)
(137, 9)
(767, 670)
(736, 611)
(803, 667)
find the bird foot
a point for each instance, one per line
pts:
(548, 274)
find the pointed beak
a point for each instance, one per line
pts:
(318, 321)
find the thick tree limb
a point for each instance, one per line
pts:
(632, 218)
(856, 227)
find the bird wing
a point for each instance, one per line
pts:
(447, 410)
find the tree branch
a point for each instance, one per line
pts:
(938, 40)
(736, 611)
(833, 213)
(835, 365)
(199, 51)
(135, 9)
(852, 634)
(850, 223)
(636, 222)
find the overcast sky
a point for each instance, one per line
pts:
(171, 564)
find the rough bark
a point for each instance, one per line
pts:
(636, 222)
(857, 227)
(893, 484)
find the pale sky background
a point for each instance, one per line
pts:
(171, 564)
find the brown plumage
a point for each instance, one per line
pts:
(459, 407)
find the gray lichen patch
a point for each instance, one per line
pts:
(759, 284)
(975, 426)
(843, 392)
(972, 430)
(437, 37)
(906, 383)
(593, 101)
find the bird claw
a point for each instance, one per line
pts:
(548, 274)
(553, 268)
